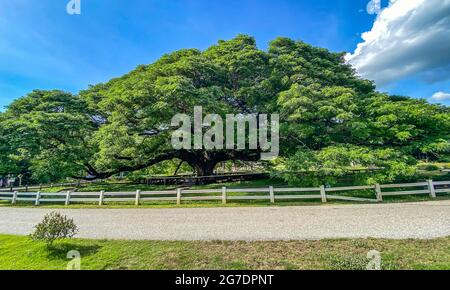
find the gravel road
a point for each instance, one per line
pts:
(397, 221)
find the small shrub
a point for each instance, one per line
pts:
(428, 167)
(54, 226)
(446, 165)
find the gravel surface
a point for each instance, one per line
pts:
(396, 221)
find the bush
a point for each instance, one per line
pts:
(54, 226)
(445, 165)
(428, 167)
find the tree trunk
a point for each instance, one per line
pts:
(203, 167)
(203, 162)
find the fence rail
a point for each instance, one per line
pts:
(40, 187)
(224, 194)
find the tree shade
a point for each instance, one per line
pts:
(330, 118)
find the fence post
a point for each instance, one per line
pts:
(100, 200)
(323, 193)
(14, 199)
(272, 194)
(378, 192)
(178, 196)
(224, 195)
(38, 197)
(40, 187)
(431, 188)
(138, 197)
(67, 198)
(26, 188)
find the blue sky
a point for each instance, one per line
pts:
(43, 47)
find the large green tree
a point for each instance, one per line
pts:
(330, 118)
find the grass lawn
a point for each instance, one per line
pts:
(19, 252)
(129, 187)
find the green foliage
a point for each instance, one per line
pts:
(53, 227)
(428, 167)
(333, 162)
(48, 133)
(331, 120)
(165, 168)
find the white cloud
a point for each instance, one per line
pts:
(441, 96)
(408, 38)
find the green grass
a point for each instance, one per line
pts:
(19, 252)
(127, 187)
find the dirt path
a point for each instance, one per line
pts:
(397, 221)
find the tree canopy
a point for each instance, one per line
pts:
(331, 119)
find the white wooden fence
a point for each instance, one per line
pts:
(51, 185)
(224, 194)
